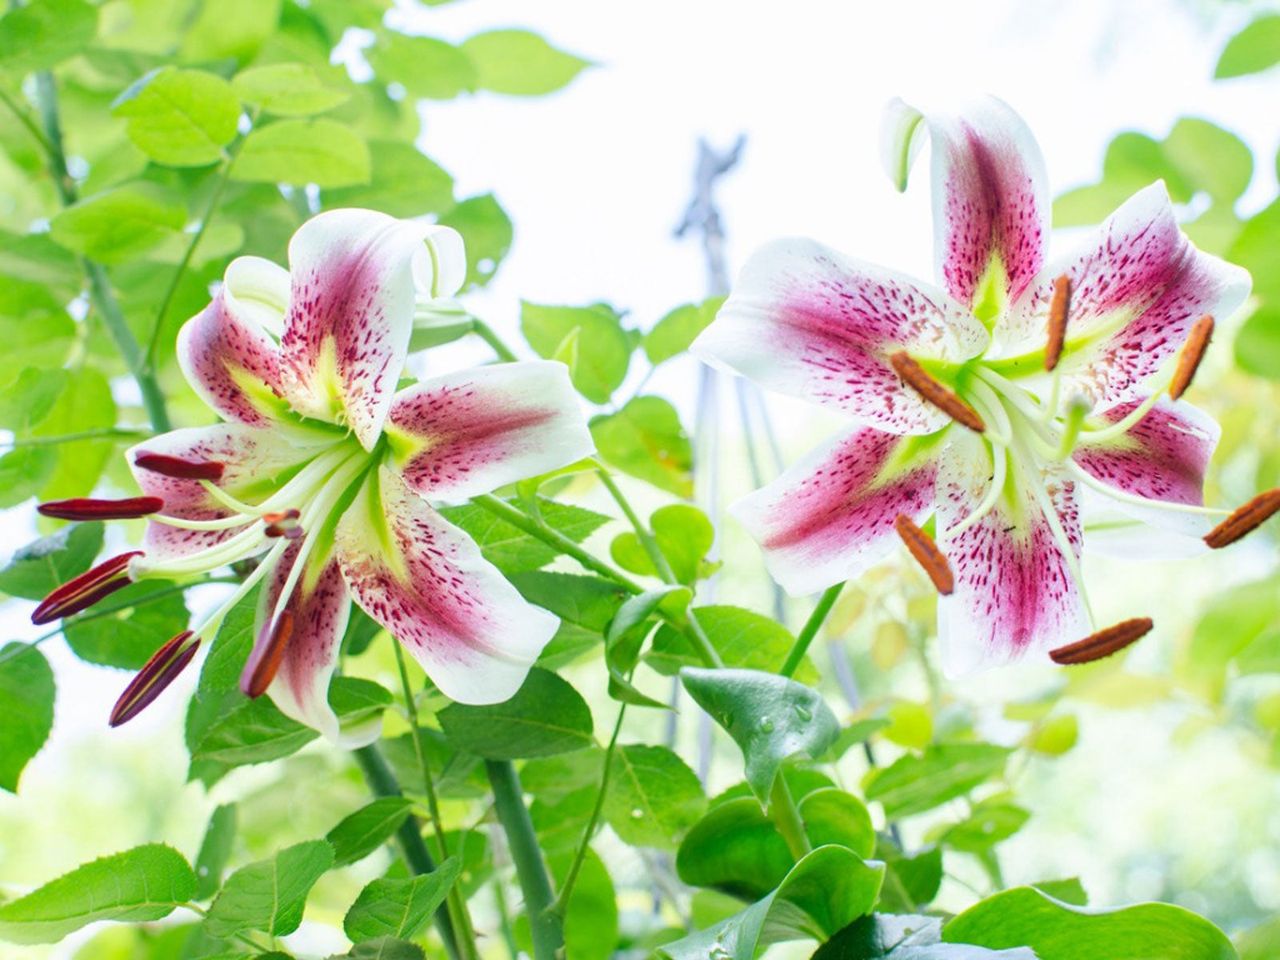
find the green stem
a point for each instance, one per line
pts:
(782, 809)
(382, 781)
(487, 334)
(102, 434)
(25, 119)
(504, 919)
(545, 926)
(810, 629)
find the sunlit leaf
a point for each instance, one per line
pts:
(521, 63)
(27, 691)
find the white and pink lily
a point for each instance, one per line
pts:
(955, 411)
(324, 469)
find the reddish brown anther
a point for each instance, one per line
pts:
(179, 468)
(1057, 321)
(1103, 643)
(1244, 519)
(1189, 358)
(158, 672)
(927, 554)
(944, 398)
(86, 508)
(280, 516)
(84, 591)
(266, 669)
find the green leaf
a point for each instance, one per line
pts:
(487, 232)
(85, 404)
(35, 259)
(24, 472)
(646, 440)
(770, 718)
(626, 634)
(119, 224)
(27, 691)
(653, 797)
(1234, 621)
(1058, 931)
(424, 66)
(913, 784)
(384, 948)
(583, 604)
(365, 830)
(821, 895)
(884, 936)
(400, 908)
(546, 716)
(1261, 942)
(520, 63)
(145, 883)
(321, 151)
(1213, 159)
(180, 118)
(269, 895)
(127, 638)
(36, 337)
(912, 881)
(41, 34)
(672, 335)
(51, 561)
(1257, 344)
(604, 349)
(742, 637)
(989, 823)
(512, 550)
(230, 29)
(834, 816)
(404, 183)
(287, 90)
(684, 536)
(1252, 50)
(215, 850)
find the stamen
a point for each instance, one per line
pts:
(264, 671)
(165, 664)
(178, 468)
(1192, 353)
(944, 398)
(86, 508)
(927, 554)
(1103, 643)
(279, 516)
(1057, 322)
(82, 592)
(1244, 520)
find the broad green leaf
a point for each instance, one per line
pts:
(1261, 942)
(512, 550)
(1058, 931)
(287, 90)
(1055, 736)
(41, 34)
(24, 472)
(626, 634)
(834, 816)
(584, 605)
(384, 948)
(424, 66)
(1254, 249)
(989, 822)
(119, 224)
(145, 883)
(912, 880)
(51, 561)
(400, 908)
(35, 259)
(742, 637)
(27, 691)
(1210, 158)
(646, 440)
(591, 915)
(653, 796)
(1235, 620)
(129, 637)
(487, 232)
(36, 336)
(1252, 50)
(886, 936)
(1257, 344)
(180, 118)
(520, 63)
(910, 724)
(230, 28)
(546, 716)
(269, 895)
(913, 784)
(365, 830)
(215, 850)
(404, 183)
(86, 404)
(604, 349)
(321, 151)
(684, 536)
(672, 335)
(771, 718)
(1070, 890)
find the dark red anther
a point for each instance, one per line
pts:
(165, 664)
(84, 591)
(87, 508)
(178, 468)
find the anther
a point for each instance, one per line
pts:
(82, 592)
(178, 468)
(944, 398)
(165, 664)
(86, 508)
(282, 523)
(1189, 358)
(257, 679)
(927, 554)
(1103, 643)
(1057, 321)
(1244, 519)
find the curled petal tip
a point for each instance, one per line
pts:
(1244, 519)
(1103, 643)
(926, 553)
(258, 676)
(158, 672)
(82, 592)
(178, 468)
(86, 508)
(1193, 350)
(1057, 334)
(942, 397)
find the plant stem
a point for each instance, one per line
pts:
(382, 781)
(487, 334)
(546, 927)
(810, 629)
(782, 810)
(102, 434)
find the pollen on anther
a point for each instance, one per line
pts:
(1244, 519)
(1189, 358)
(942, 397)
(926, 553)
(1104, 643)
(272, 657)
(1057, 333)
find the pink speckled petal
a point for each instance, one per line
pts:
(226, 353)
(466, 433)
(806, 321)
(990, 202)
(830, 516)
(1015, 594)
(1162, 457)
(356, 277)
(1136, 290)
(426, 582)
(254, 460)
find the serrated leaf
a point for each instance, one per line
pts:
(653, 796)
(180, 118)
(364, 831)
(400, 908)
(269, 895)
(545, 717)
(520, 63)
(127, 638)
(322, 151)
(27, 692)
(51, 561)
(914, 784)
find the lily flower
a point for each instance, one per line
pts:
(325, 471)
(999, 401)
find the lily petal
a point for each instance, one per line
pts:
(470, 432)
(806, 321)
(1015, 590)
(831, 515)
(356, 277)
(426, 582)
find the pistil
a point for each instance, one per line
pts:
(942, 397)
(1103, 643)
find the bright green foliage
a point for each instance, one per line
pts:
(383, 948)
(120, 224)
(27, 691)
(287, 90)
(646, 439)
(913, 784)
(486, 229)
(671, 336)
(269, 895)
(181, 118)
(1257, 345)
(519, 62)
(399, 908)
(626, 633)
(43, 33)
(147, 615)
(684, 535)
(215, 851)
(403, 182)
(424, 66)
(603, 346)
(742, 637)
(511, 549)
(362, 832)
(1252, 50)
(545, 717)
(322, 151)
(40, 566)
(653, 796)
